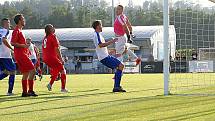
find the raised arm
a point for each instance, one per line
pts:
(108, 43)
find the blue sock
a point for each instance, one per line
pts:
(2, 76)
(118, 76)
(36, 73)
(11, 83)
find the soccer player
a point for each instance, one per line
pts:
(105, 58)
(21, 55)
(52, 57)
(123, 27)
(37, 65)
(7, 64)
(35, 57)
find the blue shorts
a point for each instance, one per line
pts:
(34, 61)
(111, 62)
(7, 64)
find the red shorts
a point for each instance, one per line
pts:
(55, 65)
(24, 63)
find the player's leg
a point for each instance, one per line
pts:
(120, 48)
(11, 83)
(39, 71)
(34, 61)
(28, 67)
(63, 81)
(2, 74)
(11, 70)
(114, 63)
(132, 55)
(24, 83)
(118, 75)
(54, 74)
(25, 74)
(31, 82)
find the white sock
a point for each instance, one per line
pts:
(131, 54)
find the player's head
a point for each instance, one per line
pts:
(28, 40)
(5, 23)
(49, 29)
(119, 10)
(97, 25)
(19, 20)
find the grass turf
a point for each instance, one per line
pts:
(91, 99)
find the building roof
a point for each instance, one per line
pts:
(73, 34)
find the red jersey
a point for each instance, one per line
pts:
(18, 37)
(49, 47)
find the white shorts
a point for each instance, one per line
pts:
(120, 45)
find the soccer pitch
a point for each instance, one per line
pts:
(91, 99)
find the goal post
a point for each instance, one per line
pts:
(166, 46)
(192, 70)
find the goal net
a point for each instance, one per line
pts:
(192, 69)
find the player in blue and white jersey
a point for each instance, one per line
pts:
(105, 58)
(7, 64)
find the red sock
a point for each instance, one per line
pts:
(24, 86)
(39, 71)
(31, 85)
(63, 81)
(53, 78)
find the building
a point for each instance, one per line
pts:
(148, 43)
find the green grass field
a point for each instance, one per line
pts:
(91, 99)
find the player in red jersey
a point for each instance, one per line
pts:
(21, 55)
(53, 58)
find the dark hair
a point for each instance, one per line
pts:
(121, 6)
(17, 18)
(4, 19)
(96, 23)
(48, 29)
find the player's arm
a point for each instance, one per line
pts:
(126, 27)
(20, 45)
(108, 43)
(15, 43)
(59, 54)
(6, 43)
(124, 22)
(128, 23)
(56, 44)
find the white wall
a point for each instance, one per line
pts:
(157, 42)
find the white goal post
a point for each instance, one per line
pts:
(166, 44)
(192, 70)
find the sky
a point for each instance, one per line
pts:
(139, 2)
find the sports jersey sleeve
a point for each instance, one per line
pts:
(15, 36)
(97, 39)
(122, 19)
(6, 34)
(55, 41)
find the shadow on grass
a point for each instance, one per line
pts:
(16, 98)
(173, 101)
(161, 107)
(43, 93)
(75, 106)
(58, 98)
(188, 116)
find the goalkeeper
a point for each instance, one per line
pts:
(122, 27)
